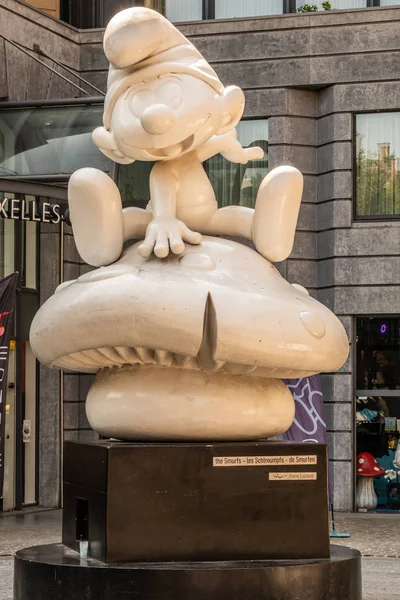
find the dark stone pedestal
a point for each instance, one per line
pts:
(196, 502)
(56, 573)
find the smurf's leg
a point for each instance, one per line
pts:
(96, 216)
(235, 221)
(276, 212)
(135, 222)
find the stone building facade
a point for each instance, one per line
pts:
(308, 74)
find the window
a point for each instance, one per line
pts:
(336, 4)
(186, 10)
(378, 353)
(232, 183)
(237, 8)
(377, 165)
(49, 140)
(378, 402)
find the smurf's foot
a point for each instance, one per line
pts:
(96, 216)
(276, 212)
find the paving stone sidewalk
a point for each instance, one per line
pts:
(377, 536)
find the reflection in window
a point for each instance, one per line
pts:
(378, 353)
(133, 183)
(6, 244)
(336, 4)
(225, 9)
(377, 164)
(49, 140)
(183, 10)
(235, 183)
(389, 3)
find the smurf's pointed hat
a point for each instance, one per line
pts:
(141, 44)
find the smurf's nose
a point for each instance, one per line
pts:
(158, 119)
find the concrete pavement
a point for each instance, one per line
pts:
(377, 536)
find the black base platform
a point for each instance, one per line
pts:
(55, 572)
(145, 502)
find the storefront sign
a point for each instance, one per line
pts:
(31, 210)
(8, 287)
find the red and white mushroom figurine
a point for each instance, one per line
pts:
(367, 469)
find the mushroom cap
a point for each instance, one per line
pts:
(219, 306)
(367, 466)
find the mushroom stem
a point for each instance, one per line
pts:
(366, 498)
(151, 402)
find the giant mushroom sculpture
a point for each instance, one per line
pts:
(189, 347)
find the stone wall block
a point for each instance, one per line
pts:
(304, 245)
(334, 185)
(302, 157)
(292, 130)
(355, 38)
(335, 214)
(266, 73)
(352, 68)
(339, 416)
(340, 445)
(49, 439)
(302, 272)
(334, 128)
(307, 220)
(366, 96)
(309, 188)
(342, 485)
(266, 102)
(334, 157)
(337, 387)
(372, 300)
(3, 71)
(254, 45)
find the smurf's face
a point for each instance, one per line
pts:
(166, 117)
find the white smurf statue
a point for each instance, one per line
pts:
(165, 103)
(188, 341)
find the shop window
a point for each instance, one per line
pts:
(378, 402)
(225, 9)
(389, 3)
(50, 140)
(377, 158)
(232, 183)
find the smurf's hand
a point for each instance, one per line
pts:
(167, 233)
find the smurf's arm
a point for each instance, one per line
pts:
(229, 146)
(165, 232)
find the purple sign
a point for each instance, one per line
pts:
(309, 423)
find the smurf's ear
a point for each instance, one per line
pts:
(233, 99)
(104, 140)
